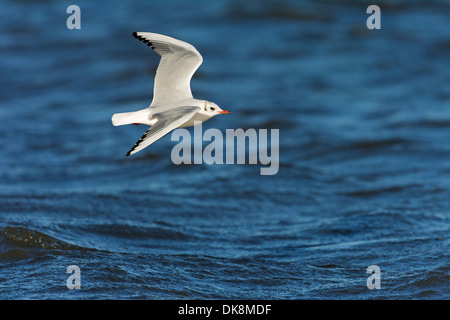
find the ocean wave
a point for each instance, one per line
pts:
(28, 238)
(127, 231)
(284, 10)
(19, 242)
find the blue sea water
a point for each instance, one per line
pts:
(364, 149)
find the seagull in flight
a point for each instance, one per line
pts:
(173, 105)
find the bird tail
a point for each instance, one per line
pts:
(136, 117)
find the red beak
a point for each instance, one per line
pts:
(225, 112)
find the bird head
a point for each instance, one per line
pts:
(213, 109)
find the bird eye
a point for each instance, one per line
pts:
(212, 108)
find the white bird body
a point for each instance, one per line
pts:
(146, 116)
(173, 105)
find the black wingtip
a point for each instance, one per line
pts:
(140, 38)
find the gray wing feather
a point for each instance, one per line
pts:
(167, 121)
(179, 61)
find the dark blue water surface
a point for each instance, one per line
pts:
(364, 170)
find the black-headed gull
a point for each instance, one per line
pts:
(173, 105)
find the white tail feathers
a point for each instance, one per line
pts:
(138, 117)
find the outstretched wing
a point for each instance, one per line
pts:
(167, 121)
(179, 61)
